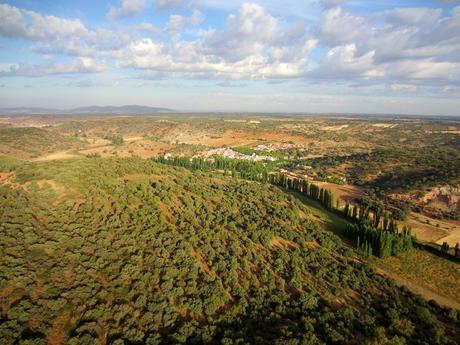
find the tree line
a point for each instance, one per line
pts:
(377, 235)
(374, 229)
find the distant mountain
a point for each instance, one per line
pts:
(92, 110)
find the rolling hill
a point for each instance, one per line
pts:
(134, 252)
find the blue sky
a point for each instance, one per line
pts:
(218, 55)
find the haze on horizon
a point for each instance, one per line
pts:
(212, 55)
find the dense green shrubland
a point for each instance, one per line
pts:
(130, 251)
(398, 168)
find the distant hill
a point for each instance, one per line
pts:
(125, 109)
(96, 110)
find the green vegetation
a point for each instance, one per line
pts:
(403, 168)
(246, 169)
(116, 139)
(366, 234)
(138, 252)
(380, 242)
(31, 142)
(425, 269)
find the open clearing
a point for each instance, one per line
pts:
(56, 156)
(342, 192)
(424, 228)
(421, 272)
(424, 273)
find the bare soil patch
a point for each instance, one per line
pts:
(342, 192)
(55, 156)
(433, 230)
(204, 266)
(282, 243)
(6, 175)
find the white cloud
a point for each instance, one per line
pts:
(412, 16)
(146, 27)
(402, 46)
(252, 45)
(339, 27)
(79, 65)
(399, 46)
(186, 60)
(16, 23)
(342, 62)
(128, 8)
(245, 33)
(178, 23)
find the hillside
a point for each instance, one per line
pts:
(134, 252)
(31, 142)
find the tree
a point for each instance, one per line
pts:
(445, 248)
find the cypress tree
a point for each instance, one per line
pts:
(346, 210)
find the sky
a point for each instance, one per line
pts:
(309, 56)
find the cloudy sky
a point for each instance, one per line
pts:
(379, 56)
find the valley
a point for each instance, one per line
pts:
(197, 229)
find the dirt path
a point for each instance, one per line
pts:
(423, 291)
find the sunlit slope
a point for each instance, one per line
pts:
(96, 251)
(31, 142)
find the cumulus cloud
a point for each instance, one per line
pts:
(178, 23)
(53, 35)
(339, 27)
(79, 65)
(146, 27)
(128, 8)
(342, 62)
(17, 23)
(412, 16)
(251, 45)
(245, 33)
(398, 47)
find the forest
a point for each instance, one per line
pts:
(379, 236)
(137, 252)
(404, 168)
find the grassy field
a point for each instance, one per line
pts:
(426, 270)
(329, 220)
(426, 274)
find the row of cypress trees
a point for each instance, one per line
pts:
(377, 235)
(378, 242)
(236, 167)
(311, 190)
